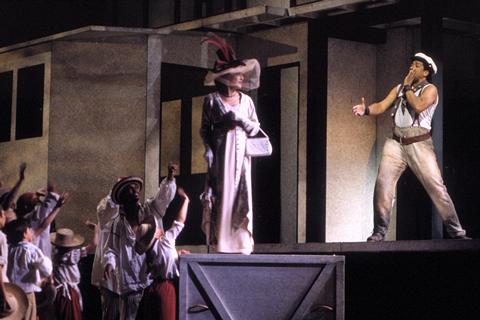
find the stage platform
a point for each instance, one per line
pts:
(441, 245)
(261, 287)
(391, 280)
(404, 280)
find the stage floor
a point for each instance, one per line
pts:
(441, 245)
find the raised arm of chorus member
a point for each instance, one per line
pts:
(166, 192)
(8, 199)
(182, 214)
(48, 220)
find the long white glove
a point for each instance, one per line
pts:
(208, 155)
(247, 125)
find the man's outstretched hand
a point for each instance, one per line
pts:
(359, 109)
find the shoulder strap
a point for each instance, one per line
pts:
(397, 101)
(422, 87)
(399, 89)
(266, 135)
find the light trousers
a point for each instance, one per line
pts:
(420, 158)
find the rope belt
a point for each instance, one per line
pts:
(405, 141)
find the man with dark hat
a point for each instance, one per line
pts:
(122, 263)
(414, 102)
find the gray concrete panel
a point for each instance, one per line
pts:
(97, 121)
(261, 287)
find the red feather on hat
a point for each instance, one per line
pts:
(225, 51)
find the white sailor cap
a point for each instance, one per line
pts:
(426, 60)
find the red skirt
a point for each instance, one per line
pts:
(66, 309)
(159, 301)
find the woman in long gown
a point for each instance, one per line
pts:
(228, 118)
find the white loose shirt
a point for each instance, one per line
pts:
(27, 265)
(3, 256)
(66, 272)
(65, 268)
(163, 256)
(42, 212)
(107, 210)
(165, 194)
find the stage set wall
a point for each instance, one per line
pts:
(102, 120)
(354, 145)
(33, 151)
(97, 121)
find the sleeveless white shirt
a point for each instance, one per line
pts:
(404, 119)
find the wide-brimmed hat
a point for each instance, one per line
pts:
(227, 63)
(66, 238)
(17, 301)
(121, 184)
(427, 62)
(145, 235)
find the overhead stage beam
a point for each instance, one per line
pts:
(234, 20)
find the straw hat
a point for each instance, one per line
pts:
(17, 300)
(66, 238)
(227, 63)
(121, 184)
(145, 235)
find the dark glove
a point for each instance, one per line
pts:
(229, 120)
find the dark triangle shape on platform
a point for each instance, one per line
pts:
(272, 294)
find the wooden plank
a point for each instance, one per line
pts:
(85, 33)
(266, 13)
(322, 6)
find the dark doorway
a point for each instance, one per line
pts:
(266, 170)
(461, 146)
(181, 82)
